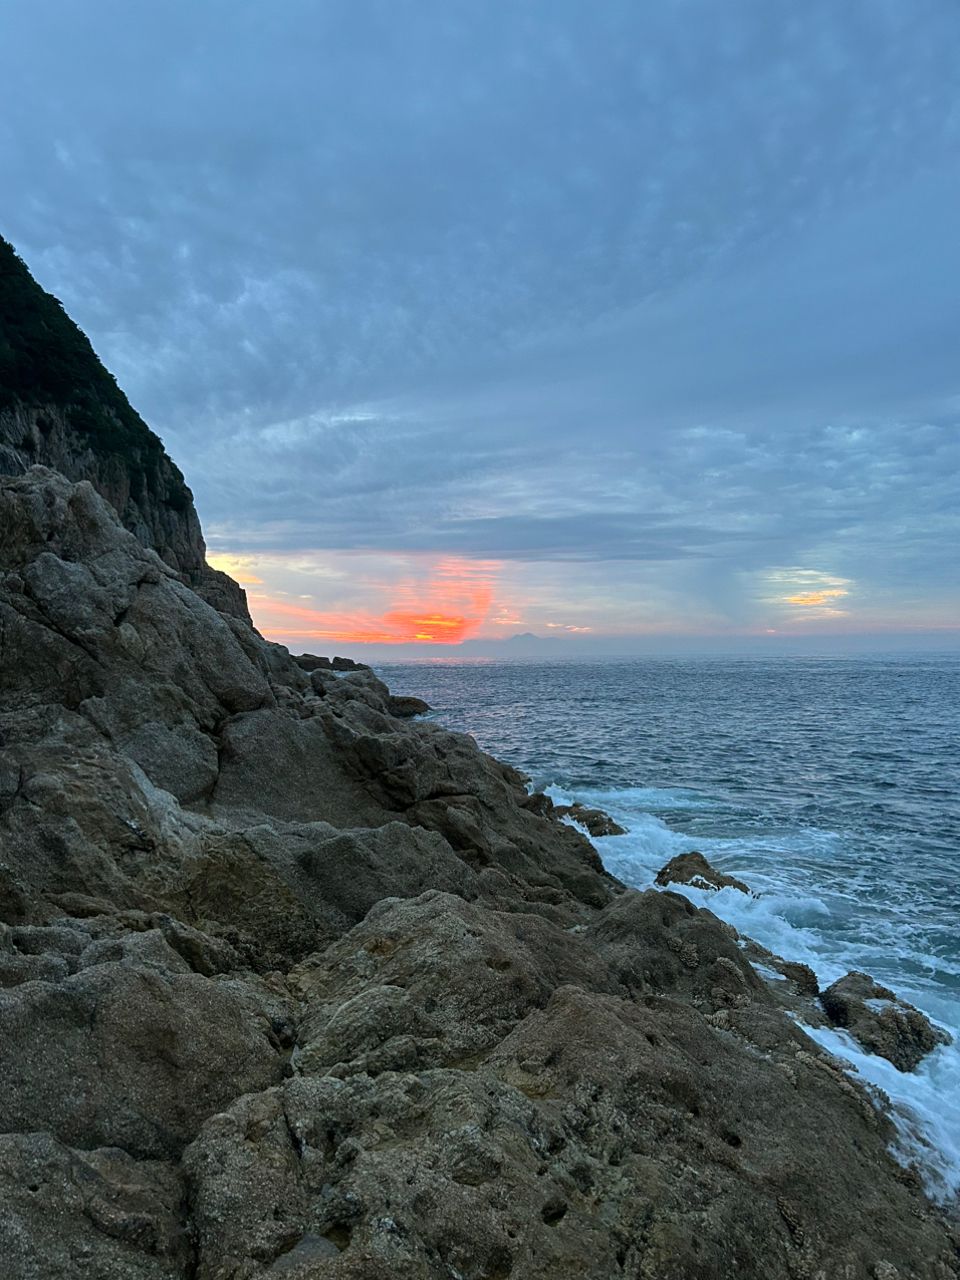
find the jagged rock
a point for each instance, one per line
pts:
(880, 1021)
(801, 975)
(595, 821)
(792, 986)
(531, 1118)
(540, 804)
(425, 982)
(693, 869)
(658, 943)
(340, 875)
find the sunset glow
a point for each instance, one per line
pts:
(809, 593)
(813, 599)
(447, 605)
(236, 566)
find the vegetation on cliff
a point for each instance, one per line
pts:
(47, 360)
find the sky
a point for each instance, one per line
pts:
(631, 328)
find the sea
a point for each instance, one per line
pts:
(831, 786)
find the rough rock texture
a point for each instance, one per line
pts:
(69, 1213)
(292, 986)
(880, 1021)
(693, 869)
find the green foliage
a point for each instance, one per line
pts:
(46, 359)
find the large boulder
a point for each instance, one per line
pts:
(405, 706)
(880, 1021)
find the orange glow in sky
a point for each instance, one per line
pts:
(236, 566)
(448, 605)
(813, 599)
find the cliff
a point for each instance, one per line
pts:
(293, 986)
(60, 408)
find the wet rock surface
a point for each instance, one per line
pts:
(880, 1021)
(293, 985)
(693, 869)
(595, 821)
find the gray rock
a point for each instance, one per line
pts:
(404, 707)
(68, 1213)
(584, 1133)
(348, 664)
(595, 821)
(310, 662)
(128, 1055)
(880, 1021)
(693, 869)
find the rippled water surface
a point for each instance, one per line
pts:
(831, 786)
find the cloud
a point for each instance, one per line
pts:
(640, 303)
(809, 593)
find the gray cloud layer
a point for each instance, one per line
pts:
(541, 281)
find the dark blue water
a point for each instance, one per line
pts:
(831, 786)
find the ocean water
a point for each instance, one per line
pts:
(831, 786)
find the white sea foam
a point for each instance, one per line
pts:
(925, 1105)
(816, 924)
(650, 799)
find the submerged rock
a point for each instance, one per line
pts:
(693, 869)
(880, 1021)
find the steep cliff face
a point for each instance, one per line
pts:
(60, 408)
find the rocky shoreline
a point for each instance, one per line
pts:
(295, 982)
